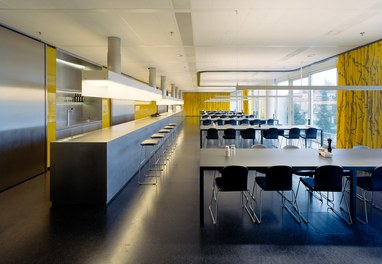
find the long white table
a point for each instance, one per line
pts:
(349, 159)
(204, 128)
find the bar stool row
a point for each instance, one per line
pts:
(156, 153)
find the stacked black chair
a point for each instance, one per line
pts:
(277, 179)
(232, 179)
(212, 134)
(271, 134)
(248, 133)
(310, 133)
(294, 133)
(370, 184)
(207, 122)
(229, 134)
(327, 179)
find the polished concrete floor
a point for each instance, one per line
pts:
(160, 224)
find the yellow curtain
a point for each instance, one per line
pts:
(359, 114)
(245, 103)
(195, 102)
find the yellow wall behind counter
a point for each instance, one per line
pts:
(195, 102)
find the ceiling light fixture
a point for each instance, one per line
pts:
(108, 84)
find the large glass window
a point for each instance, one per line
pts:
(282, 104)
(325, 103)
(297, 106)
(300, 103)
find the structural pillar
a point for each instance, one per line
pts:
(163, 85)
(172, 90)
(114, 54)
(153, 77)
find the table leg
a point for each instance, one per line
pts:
(201, 138)
(353, 196)
(201, 196)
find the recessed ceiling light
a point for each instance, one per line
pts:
(179, 55)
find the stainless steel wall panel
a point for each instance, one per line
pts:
(22, 108)
(122, 111)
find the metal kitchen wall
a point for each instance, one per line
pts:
(22, 108)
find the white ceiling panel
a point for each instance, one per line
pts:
(183, 37)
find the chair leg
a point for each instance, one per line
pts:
(245, 196)
(213, 200)
(365, 206)
(254, 202)
(293, 203)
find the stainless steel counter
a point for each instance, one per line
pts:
(92, 168)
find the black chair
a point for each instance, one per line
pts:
(255, 122)
(230, 134)
(278, 179)
(220, 122)
(370, 184)
(271, 134)
(231, 122)
(207, 122)
(310, 133)
(232, 179)
(212, 134)
(270, 122)
(245, 121)
(294, 133)
(327, 178)
(248, 133)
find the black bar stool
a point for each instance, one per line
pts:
(148, 148)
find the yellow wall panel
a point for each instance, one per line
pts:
(359, 114)
(143, 110)
(195, 102)
(245, 103)
(51, 98)
(106, 112)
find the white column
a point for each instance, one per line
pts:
(163, 85)
(153, 77)
(176, 92)
(172, 90)
(114, 54)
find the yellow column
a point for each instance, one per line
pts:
(245, 103)
(106, 112)
(51, 98)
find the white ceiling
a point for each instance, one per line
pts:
(183, 37)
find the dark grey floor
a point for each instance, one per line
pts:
(160, 224)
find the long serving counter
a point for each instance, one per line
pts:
(92, 168)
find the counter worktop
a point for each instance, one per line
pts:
(110, 133)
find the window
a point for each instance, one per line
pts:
(325, 103)
(300, 103)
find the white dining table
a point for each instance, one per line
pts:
(349, 159)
